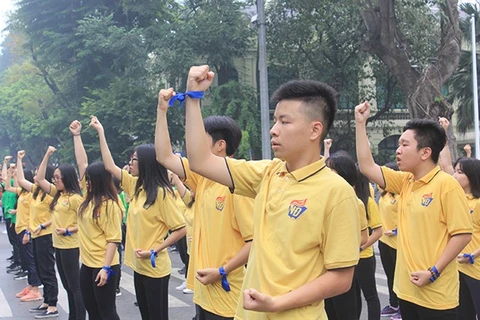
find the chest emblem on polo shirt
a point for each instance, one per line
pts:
(297, 208)
(471, 211)
(220, 203)
(427, 199)
(393, 201)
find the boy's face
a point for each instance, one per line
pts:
(408, 155)
(292, 131)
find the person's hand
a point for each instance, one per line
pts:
(26, 239)
(20, 155)
(95, 124)
(7, 159)
(444, 122)
(390, 233)
(199, 78)
(60, 231)
(208, 276)
(142, 254)
(51, 150)
(101, 278)
(461, 259)
(256, 301)
(12, 211)
(327, 143)
(164, 97)
(468, 150)
(362, 112)
(75, 127)
(420, 278)
(37, 230)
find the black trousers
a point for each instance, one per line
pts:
(388, 255)
(344, 306)
(28, 261)
(182, 250)
(203, 314)
(365, 277)
(69, 272)
(99, 301)
(120, 258)
(45, 263)
(12, 238)
(152, 296)
(411, 311)
(469, 307)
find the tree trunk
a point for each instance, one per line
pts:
(423, 90)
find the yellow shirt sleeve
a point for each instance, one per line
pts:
(374, 220)
(128, 183)
(456, 213)
(111, 226)
(53, 190)
(191, 178)
(187, 197)
(394, 180)
(170, 214)
(243, 216)
(247, 176)
(362, 213)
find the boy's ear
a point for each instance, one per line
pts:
(317, 130)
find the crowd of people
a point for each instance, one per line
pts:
(288, 238)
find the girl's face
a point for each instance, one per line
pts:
(58, 180)
(133, 164)
(35, 178)
(462, 178)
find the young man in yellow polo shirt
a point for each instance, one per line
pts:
(222, 223)
(306, 225)
(433, 218)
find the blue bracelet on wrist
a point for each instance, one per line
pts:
(225, 284)
(67, 233)
(42, 226)
(109, 271)
(153, 255)
(471, 258)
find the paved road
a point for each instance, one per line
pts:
(181, 306)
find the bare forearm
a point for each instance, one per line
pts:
(44, 184)
(454, 246)
(197, 145)
(365, 159)
(163, 147)
(4, 170)
(240, 259)
(107, 158)
(80, 154)
(330, 284)
(27, 185)
(171, 239)
(377, 234)
(111, 248)
(446, 160)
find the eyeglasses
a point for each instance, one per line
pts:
(133, 159)
(57, 178)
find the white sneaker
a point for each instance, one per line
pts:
(182, 287)
(187, 291)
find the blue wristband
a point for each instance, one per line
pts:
(109, 271)
(471, 258)
(225, 284)
(181, 97)
(435, 270)
(42, 226)
(27, 233)
(153, 255)
(67, 233)
(395, 231)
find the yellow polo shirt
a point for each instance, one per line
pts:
(188, 215)
(388, 205)
(64, 215)
(148, 227)
(40, 213)
(430, 211)
(473, 270)
(305, 223)
(222, 224)
(374, 222)
(362, 215)
(23, 210)
(95, 233)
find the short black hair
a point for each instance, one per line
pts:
(224, 128)
(319, 100)
(471, 168)
(429, 134)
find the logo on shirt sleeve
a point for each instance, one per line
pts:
(427, 199)
(220, 203)
(297, 208)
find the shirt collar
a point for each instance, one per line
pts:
(305, 172)
(430, 175)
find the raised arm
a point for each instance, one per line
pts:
(80, 154)
(42, 182)
(179, 184)
(107, 158)
(200, 156)
(163, 147)
(8, 183)
(22, 182)
(468, 150)
(5, 167)
(445, 159)
(365, 160)
(327, 144)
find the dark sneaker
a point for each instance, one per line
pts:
(38, 309)
(118, 293)
(13, 265)
(14, 270)
(10, 258)
(47, 314)
(396, 316)
(389, 311)
(21, 275)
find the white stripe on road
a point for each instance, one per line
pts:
(5, 310)
(127, 284)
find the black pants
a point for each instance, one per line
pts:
(411, 311)
(45, 263)
(203, 314)
(69, 272)
(469, 307)
(182, 250)
(12, 238)
(365, 277)
(388, 255)
(119, 274)
(99, 301)
(344, 306)
(152, 296)
(28, 261)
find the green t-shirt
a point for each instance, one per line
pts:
(9, 199)
(125, 205)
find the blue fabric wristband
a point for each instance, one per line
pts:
(471, 258)
(42, 226)
(182, 96)
(225, 284)
(67, 233)
(109, 271)
(153, 255)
